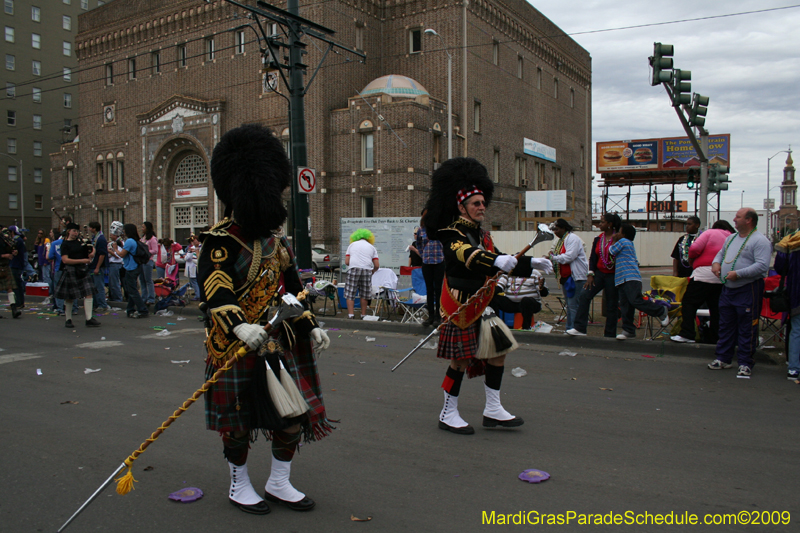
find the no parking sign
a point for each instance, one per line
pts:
(306, 180)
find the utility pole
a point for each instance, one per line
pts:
(294, 28)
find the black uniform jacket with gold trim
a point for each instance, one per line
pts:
(239, 280)
(469, 255)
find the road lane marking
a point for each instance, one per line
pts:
(10, 358)
(99, 344)
(173, 333)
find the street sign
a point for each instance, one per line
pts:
(306, 180)
(769, 203)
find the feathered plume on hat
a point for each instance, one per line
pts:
(250, 171)
(452, 183)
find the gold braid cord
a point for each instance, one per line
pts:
(125, 483)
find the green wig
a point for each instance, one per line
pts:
(363, 234)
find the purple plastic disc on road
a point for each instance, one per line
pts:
(534, 476)
(187, 495)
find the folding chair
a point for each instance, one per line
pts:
(668, 290)
(414, 309)
(384, 282)
(327, 291)
(771, 322)
(562, 315)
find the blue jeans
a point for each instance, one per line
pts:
(196, 289)
(46, 276)
(146, 282)
(159, 272)
(739, 311)
(573, 303)
(99, 290)
(114, 289)
(58, 301)
(135, 302)
(794, 344)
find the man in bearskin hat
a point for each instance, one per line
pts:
(461, 191)
(7, 252)
(245, 265)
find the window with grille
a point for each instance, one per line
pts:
(11, 146)
(9, 34)
(66, 48)
(12, 173)
(36, 41)
(12, 118)
(67, 100)
(37, 148)
(191, 171)
(9, 7)
(37, 122)
(66, 22)
(36, 14)
(12, 201)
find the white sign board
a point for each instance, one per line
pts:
(546, 201)
(197, 192)
(769, 203)
(306, 180)
(392, 237)
(539, 150)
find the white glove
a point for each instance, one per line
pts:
(319, 336)
(506, 263)
(542, 263)
(252, 335)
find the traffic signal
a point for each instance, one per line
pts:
(681, 89)
(691, 179)
(661, 63)
(717, 177)
(698, 110)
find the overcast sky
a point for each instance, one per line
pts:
(748, 65)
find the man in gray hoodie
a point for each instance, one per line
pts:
(741, 264)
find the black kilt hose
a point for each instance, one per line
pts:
(75, 283)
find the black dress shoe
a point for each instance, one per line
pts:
(256, 508)
(92, 323)
(306, 504)
(492, 423)
(466, 430)
(15, 312)
(68, 324)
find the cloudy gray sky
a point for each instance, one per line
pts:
(749, 66)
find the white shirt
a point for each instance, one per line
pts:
(191, 262)
(575, 257)
(361, 255)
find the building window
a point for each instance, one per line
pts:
(121, 215)
(496, 167)
(36, 94)
(191, 170)
(36, 14)
(476, 117)
(109, 74)
(68, 2)
(11, 119)
(211, 50)
(37, 122)
(85, 4)
(520, 64)
(155, 61)
(67, 74)
(286, 142)
(110, 174)
(520, 172)
(37, 175)
(36, 68)
(583, 156)
(415, 41)
(11, 62)
(9, 7)
(70, 179)
(36, 41)
(495, 52)
(99, 182)
(12, 200)
(182, 53)
(132, 68)
(539, 78)
(662, 225)
(11, 90)
(359, 36)
(12, 173)
(67, 100)
(367, 151)
(572, 97)
(11, 146)
(120, 174)
(367, 210)
(437, 148)
(38, 201)
(9, 34)
(66, 22)
(37, 148)
(555, 88)
(556, 179)
(66, 48)
(239, 41)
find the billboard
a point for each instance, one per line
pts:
(673, 153)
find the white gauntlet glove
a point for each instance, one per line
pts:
(506, 263)
(542, 263)
(251, 334)
(319, 336)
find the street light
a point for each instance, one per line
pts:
(768, 189)
(742, 202)
(21, 178)
(430, 31)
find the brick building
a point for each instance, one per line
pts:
(787, 215)
(161, 82)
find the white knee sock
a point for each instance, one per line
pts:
(87, 307)
(68, 309)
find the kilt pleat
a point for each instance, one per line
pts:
(74, 284)
(7, 282)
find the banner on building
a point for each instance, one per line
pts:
(197, 192)
(539, 150)
(674, 153)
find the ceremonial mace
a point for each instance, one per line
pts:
(543, 234)
(290, 307)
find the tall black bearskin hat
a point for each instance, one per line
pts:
(250, 171)
(453, 182)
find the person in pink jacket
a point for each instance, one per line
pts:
(704, 287)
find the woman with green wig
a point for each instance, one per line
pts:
(361, 259)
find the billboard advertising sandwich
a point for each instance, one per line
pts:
(674, 153)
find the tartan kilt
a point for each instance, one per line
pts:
(74, 284)
(7, 282)
(358, 279)
(457, 343)
(221, 399)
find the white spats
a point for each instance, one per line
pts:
(241, 490)
(278, 484)
(494, 409)
(449, 414)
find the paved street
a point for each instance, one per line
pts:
(666, 435)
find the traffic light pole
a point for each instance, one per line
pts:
(703, 215)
